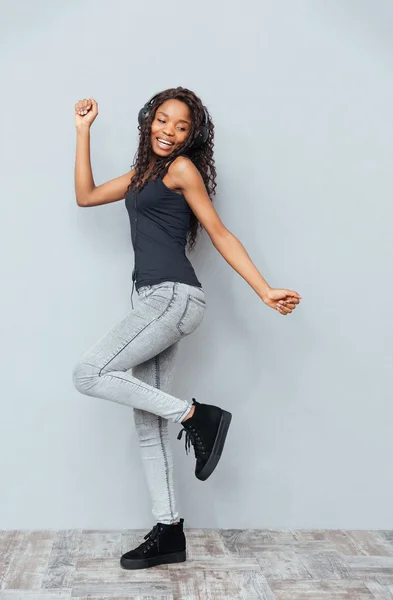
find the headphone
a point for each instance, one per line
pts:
(203, 132)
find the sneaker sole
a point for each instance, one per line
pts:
(144, 563)
(218, 447)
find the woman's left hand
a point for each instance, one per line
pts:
(284, 301)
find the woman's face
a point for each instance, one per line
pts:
(172, 123)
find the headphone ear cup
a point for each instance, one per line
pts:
(203, 133)
(145, 110)
(143, 114)
(202, 136)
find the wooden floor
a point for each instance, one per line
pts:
(221, 564)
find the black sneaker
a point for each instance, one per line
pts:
(164, 544)
(207, 430)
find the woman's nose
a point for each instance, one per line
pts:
(168, 130)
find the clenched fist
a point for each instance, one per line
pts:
(283, 300)
(85, 112)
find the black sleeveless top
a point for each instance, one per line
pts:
(159, 220)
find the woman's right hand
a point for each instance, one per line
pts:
(85, 112)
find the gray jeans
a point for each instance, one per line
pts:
(133, 364)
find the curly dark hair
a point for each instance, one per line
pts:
(201, 156)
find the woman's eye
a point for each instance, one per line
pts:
(181, 128)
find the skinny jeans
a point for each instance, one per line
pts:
(134, 364)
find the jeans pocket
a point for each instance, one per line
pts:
(148, 290)
(192, 316)
(146, 293)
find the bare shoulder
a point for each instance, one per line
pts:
(189, 180)
(182, 165)
(182, 174)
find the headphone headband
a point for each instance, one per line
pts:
(203, 132)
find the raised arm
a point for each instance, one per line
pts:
(86, 192)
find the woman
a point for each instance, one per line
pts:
(167, 196)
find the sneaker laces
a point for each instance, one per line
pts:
(192, 437)
(151, 538)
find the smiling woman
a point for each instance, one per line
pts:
(174, 123)
(170, 127)
(133, 364)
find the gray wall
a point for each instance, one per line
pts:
(301, 97)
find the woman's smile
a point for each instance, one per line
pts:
(163, 144)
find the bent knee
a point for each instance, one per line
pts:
(84, 376)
